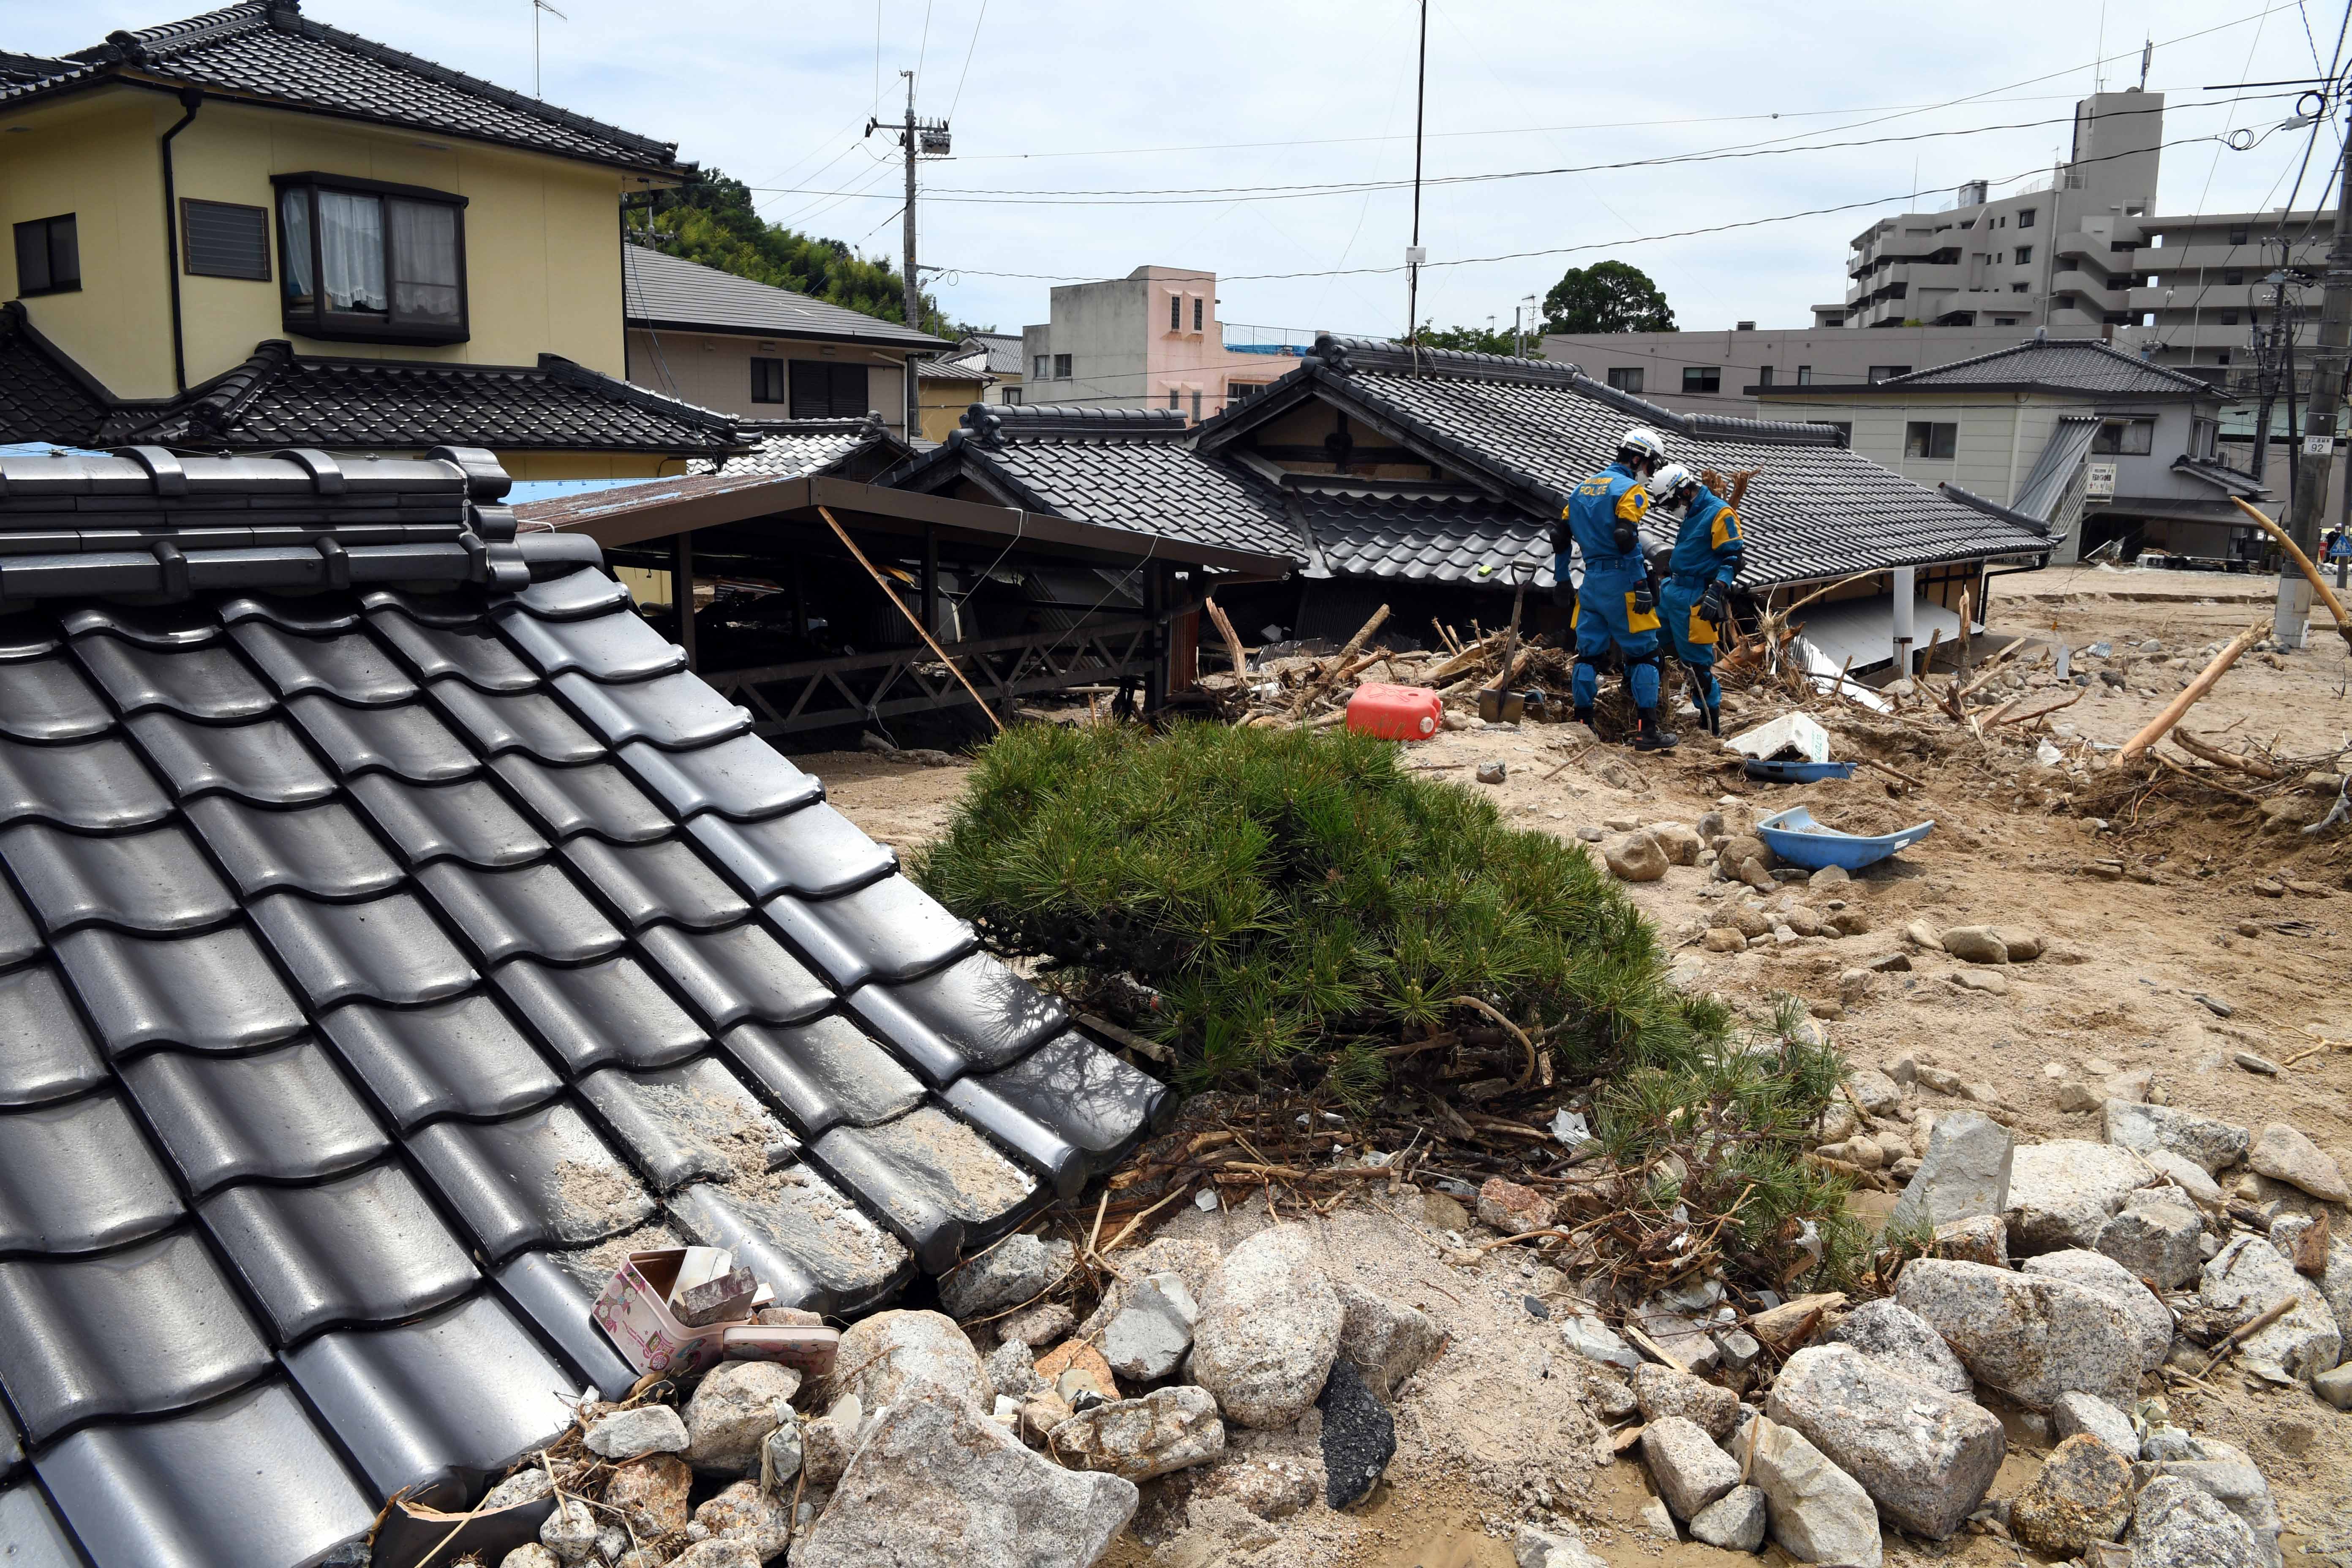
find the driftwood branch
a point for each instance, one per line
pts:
(2317, 579)
(2161, 725)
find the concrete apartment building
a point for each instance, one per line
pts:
(1721, 373)
(1150, 340)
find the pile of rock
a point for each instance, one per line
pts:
(2060, 1276)
(921, 1451)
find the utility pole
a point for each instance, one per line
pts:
(2317, 455)
(929, 139)
(1413, 253)
(2270, 354)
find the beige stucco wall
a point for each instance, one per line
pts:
(713, 369)
(543, 239)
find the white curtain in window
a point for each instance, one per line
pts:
(424, 261)
(350, 246)
(294, 206)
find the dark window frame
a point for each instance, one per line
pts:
(1931, 440)
(1200, 312)
(1764, 375)
(1626, 377)
(2022, 255)
(804, 397)
(1699, 379)
(1879, 372)
(189, 206)
(1804, 375)
(1061, 367)
(47, 229)
(2026, 216)
(315, 319)
(2114, 438)
(1175, 313)
(770, 383)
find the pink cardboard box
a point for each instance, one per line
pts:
(634, 1310)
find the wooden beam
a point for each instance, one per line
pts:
(681, 591)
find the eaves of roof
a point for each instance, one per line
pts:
(266, 52)
(2051, 390)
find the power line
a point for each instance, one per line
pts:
(968, 52)
(1199, 195)
(1568, 250)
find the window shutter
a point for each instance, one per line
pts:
(226, 239)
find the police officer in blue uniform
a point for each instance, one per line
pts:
(1693, 602)
(1615, 605)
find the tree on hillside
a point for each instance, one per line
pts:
(710, 219)
(1607, 297)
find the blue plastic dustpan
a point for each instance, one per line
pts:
(1796, 837)
(1798, 772)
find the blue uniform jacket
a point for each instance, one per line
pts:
(1709, 545)
(1593, 512)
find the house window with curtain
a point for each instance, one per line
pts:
(362, 261)
(768, 380)
(821, 390)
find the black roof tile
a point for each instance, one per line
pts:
(662, 881)
(78, 1177)
(47, 700)
(209, 992)
(44, 395)
(888, 930)
(975, 1012)
(257, 50)
(540, 1179)
(738, 975)
(826, 1073)
(810, 1243)
(467, 821)
(46, 1050)
(32, 1528)
(938, 1183)
(815, 852)
(695, 1121)
(151, 1329)
(97, 785)
(601, 1014)
(1425, 537)
(527, 721)
(472, 653)
(206, 682)
(362, 1248)
(322, 850)
(742, 778)
(181, 1493)
(283, 1115)
(533, 910)
(155, 881)
(464, 1058)
(440, 1405)
(1090, 1098)
(674, 712)
(262, 998)
(351, 666)
(1042, 1148)
(409, 741)
(606, 648)
(384, 950)
(541, 1291)
(265, 762)
(595, 797)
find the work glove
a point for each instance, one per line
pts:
(1712, 607)
(1644, 602)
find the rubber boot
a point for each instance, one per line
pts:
(1584, 717)
(1650, 738)
(1712, 714)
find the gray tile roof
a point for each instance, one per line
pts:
(2067, 364)
(278, 398)
(663, 290)
(266, 51)
(1136, 469)
(43, 395)
(1537, 428)
(1003, 351)
(788, 449)
(357, 949)
(1425, 538)
(2222, 477)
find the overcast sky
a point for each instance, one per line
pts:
(1094, 96)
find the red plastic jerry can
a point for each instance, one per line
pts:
(1395, 712)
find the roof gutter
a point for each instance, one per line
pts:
(191, 99)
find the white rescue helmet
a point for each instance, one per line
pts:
(1643, 444)
(1670, 481)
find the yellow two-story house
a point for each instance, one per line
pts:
(248, 231)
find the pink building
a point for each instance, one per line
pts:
(1150, 340)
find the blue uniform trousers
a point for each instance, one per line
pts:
(1693, 635)
(1606, 618)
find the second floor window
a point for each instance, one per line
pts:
(1043, 370)
(1200, 309)
(2126, 438)
(49, 255)
(1702, 378)
(1804, 375)
(1888, 371)
(2024, 254)
(1012, 396)
(2025, 218)
(768, 380)
(821, 390)
(363, 261)
(1061, 367)
(1625, 377)
(1175, 313)
(1764, 376)
(1930, 439)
